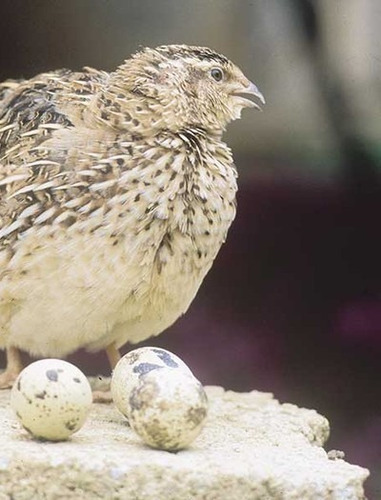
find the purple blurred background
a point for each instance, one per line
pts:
(293, 303)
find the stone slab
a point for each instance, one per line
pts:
(252, 447)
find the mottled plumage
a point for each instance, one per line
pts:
(116, 193)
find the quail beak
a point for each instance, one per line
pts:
(251, 89)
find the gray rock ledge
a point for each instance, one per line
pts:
(252, 447)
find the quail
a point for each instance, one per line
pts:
(116, 194)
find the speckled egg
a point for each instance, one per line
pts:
(134, 365)
(167, 408)
(51, 398)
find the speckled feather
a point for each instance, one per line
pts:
(116, 193)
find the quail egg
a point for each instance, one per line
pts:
(134, 365)
(167, 409)
(51, 398)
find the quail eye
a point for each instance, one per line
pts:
(217, 74)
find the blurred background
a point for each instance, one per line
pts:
(293, 303)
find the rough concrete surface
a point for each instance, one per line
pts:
(252, 447)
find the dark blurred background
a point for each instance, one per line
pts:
(293, 303)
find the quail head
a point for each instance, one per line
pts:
(116, 194)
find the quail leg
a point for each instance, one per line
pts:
(113, 356)
(13, 368)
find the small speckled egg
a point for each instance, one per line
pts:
(51, 398)
(167, 408)
(134, 365)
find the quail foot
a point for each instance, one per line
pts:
(116, 194)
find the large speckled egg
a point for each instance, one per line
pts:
(134, 365)
(51, 399)
(167, 408)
